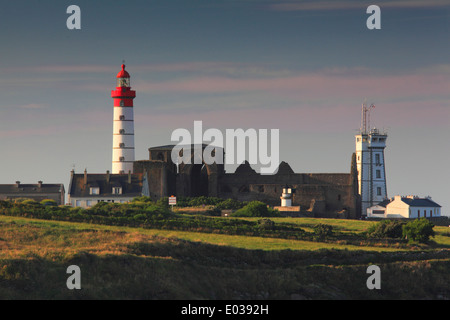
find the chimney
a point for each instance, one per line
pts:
(17, 184)
(129, 176)
(85, 176)
(40, 184)
(107, 176)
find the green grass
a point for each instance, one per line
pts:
(136, 263)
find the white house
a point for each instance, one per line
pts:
(411, 207)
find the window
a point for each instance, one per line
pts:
(89, 203)
(260, 188)
(122, 117)
(78, 203)
(122, 103)
(122, 131)
(117, 190)
(94, 190)
(122, 145)
(418, 213)
(377, 158)
(378, 174)
(378, 191)
(122, 159)
(339, 197)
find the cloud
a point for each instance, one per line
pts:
(335, 83)
(33, 106)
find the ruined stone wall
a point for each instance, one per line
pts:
(161, 177)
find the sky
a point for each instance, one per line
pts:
(303, 67)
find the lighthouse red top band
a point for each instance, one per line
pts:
(123, 95)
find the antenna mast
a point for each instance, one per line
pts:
(365, 117)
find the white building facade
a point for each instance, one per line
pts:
(409, 207)
(370, 163)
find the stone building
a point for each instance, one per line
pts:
(317, 194)
(86, 190)
(38, 192)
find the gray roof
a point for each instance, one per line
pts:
(78, 188)
(19, 188)
(420, 202)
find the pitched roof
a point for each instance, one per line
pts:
(420, 202)
(19, 188)
(78, 188)
(384, 203)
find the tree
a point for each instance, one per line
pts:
(419, 230)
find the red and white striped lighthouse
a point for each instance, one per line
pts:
(123, 129)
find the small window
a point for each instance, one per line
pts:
(117, 190)
(378, 174)
(122, 159)
(122, 117)
(122, 103)
(122, 145)
(378, 191)
(260, 188)
(377, 158)
(122, 131)
(94, 190)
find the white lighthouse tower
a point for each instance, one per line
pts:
(123, 129)
(370, 145)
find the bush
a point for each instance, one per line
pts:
(323, 230)
(387, 229)
(230, 204)
(266, 224)
(256, 209)
(49, 202)
(419, 230)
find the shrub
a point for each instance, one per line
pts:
(230, 204)
(387, 229)
(142, 199)
(266, 224)
(256, 209)
(419, 230)
(49, 202)
(323, 230)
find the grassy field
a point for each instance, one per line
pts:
(135, 263)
